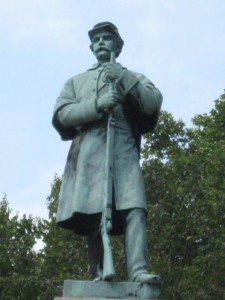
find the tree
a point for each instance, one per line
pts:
(18, 260)
(185, 187)
(184, 172)
(65, 254)
(26, 274)
(62, 257)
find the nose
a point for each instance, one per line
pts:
(101, 41)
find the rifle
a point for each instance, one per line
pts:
(106, 222)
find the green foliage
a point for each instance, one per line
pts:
(185, 186)
(17, 257)
(185, 183)
(64, 254)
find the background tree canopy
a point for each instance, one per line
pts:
(184, 171)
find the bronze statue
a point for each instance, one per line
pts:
(104, 111)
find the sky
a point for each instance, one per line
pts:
(177, 44)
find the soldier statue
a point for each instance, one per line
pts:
(81, 114)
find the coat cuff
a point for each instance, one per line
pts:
(79, 113)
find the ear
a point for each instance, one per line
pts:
(117, 51)
(117, 48)
(91, 47)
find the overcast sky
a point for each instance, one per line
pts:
(178, 44)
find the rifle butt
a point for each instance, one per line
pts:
(108, 267)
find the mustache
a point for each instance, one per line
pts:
(102, 48)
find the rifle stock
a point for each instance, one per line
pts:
(108, 267)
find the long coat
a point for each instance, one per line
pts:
(80, 197)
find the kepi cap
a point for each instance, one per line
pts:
(110, 27)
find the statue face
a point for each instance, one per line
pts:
(102, 44)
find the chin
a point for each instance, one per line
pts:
(103, 56)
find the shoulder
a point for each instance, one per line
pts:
(79, 76)
(79, 79)
(137, 74)
(141, 77)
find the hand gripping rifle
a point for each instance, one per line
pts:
(106, 222)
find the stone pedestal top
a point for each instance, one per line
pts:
(91, 290)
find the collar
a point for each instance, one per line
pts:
(97, 65)
(94, 67)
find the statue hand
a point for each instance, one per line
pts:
(112, 71)
(108, 100)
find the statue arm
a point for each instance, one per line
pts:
(145, 97)
(71, 113)
(75, 114)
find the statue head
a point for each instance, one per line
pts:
(112, 29)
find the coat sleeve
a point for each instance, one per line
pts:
(143, 96)
(69, 113)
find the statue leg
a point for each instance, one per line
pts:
(95, 255)
(136, 248)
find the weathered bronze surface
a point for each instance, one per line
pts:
(81, 114)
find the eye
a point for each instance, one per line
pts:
(108, 38)
(96, 40)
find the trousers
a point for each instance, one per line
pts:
(135, 244)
